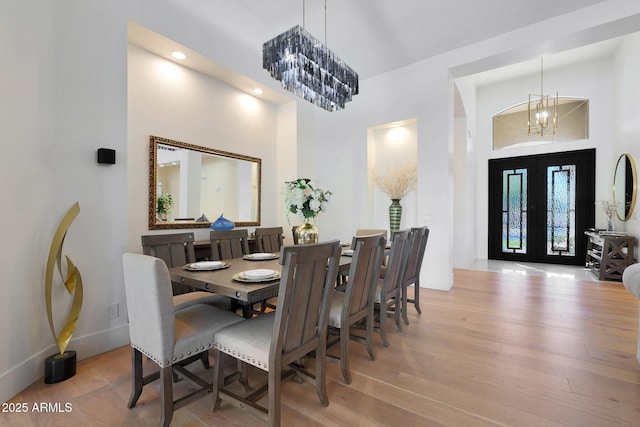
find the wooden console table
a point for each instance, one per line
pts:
(609, 254)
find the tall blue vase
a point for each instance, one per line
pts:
(395, 215)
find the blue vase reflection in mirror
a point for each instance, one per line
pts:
(222, 224)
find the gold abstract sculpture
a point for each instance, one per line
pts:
(72, 282)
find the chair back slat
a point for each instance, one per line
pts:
(396, 263)
(229, 244)
(308, 277)
(423, 247)
(174, 249)
(269, 239)
(363, 275)
(413, 253)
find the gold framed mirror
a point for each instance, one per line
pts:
(190, 186)
(625, 184)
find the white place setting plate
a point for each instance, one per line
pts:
(260, 256)
(259, 275)
(347, 252)
(206, 265)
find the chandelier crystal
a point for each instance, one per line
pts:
(539, 113)
(309, 69)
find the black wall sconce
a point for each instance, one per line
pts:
(106, 156)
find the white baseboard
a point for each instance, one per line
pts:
(31, 370)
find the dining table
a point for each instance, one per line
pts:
(227, 280)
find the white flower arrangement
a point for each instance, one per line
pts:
(303, 197)
(609, 208)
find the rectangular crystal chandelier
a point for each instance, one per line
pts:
(309, 69)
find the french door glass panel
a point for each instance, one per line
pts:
(561, 210)
(514, 211)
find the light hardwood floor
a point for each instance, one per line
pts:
(497, 350)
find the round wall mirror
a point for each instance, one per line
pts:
(625, 187)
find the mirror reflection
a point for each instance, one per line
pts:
(190, 186)
(624, 187)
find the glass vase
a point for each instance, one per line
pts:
(307, 233)
(395, 215)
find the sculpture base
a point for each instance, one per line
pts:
(59, 367)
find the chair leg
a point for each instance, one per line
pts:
(383, 322)
(344, 353)
(218, 380)
(321, 381)
(204, 358)
(416, 296)
(275, 379)
(166, 395)
(369, 338)
(136, 374)
(397, 305)
(405, 317)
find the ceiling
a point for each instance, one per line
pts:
(372, 36)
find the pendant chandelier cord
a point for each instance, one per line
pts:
(325, 22)
(304, 14)
(541, 78)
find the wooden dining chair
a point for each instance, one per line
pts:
(360, 232)
(269, 239)
(388, 293)
(170, 338)
(275, 341)
(416, 249)
(356, 302)
(229, 244)
(177, 250)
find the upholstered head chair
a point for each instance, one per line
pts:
(372, 232)
(631, 281)
(170, 338)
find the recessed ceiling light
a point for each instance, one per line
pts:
(178, 55)
(257, 91)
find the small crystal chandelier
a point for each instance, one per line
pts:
(309, 69)
(539, 113)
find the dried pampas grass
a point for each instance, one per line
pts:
(397, 182)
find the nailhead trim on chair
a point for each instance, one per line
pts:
(244, 357)
(164, 364)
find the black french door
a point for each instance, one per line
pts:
(540, 206)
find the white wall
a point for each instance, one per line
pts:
(627, 106)
(171, 101)
(63, 97)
